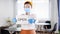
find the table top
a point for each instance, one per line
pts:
(35, 23)
(3, 26)
(42, 23)
(19, 28)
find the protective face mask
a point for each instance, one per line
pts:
(27, 9)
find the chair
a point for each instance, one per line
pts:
(47, 26)
(4, 31)
(55, 27)
(53, 30)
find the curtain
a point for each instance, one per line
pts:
(59, 13)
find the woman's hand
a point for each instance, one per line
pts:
(31, 20)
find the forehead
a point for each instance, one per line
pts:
(27, 5)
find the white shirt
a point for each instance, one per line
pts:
(23, 20)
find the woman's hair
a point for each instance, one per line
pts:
(28, 3)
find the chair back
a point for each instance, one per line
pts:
(48, 26)
(55, 26)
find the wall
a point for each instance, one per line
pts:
(6, 10)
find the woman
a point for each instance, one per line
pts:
(26, 27)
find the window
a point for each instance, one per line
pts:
(40, 8)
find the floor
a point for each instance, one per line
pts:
(42, 33)
(38, 33)
(6, 32)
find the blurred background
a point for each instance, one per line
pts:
(45, 10)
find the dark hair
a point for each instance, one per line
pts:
(28, 3)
